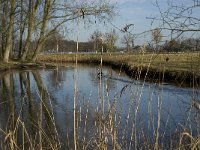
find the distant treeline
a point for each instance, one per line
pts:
(67, 46)
(64, 45)
(189, 44)
(60, 45)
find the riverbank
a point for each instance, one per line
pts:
(23, 65)
(181, 68)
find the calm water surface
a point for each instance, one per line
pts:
(45, 98)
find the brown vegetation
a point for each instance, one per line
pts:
(181, 68)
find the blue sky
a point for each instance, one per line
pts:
(136, 12)
(130, 12)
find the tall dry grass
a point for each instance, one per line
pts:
(18, 134)
(107, 130)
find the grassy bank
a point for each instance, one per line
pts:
(183, 68)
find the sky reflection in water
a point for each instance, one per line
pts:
(120, 94)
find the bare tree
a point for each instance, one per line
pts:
(22, 24)
(3, 24)
(32, 9)
(10, 29)
(96, 39)
(47, 7)
(36, 20)
(110, 40)
(70, 12)
(128, 40)
(179, 17)
(156, 36)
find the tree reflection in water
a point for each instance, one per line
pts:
(27, 122)
(56, 77)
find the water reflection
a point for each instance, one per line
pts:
(27, 113)
(56, 77)
(38, 106)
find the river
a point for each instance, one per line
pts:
(112, 110)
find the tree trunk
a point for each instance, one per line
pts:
(31, 22)
(21, 28)
(3, 25)
(9, 32)
(39, 47)
(42, 37)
